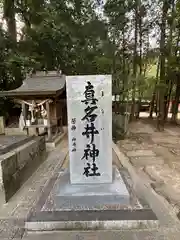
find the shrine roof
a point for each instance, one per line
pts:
(38, 85)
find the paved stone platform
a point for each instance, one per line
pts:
(85, 214)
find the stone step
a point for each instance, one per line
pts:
(150, 234)
(90, 220)
(53, 144)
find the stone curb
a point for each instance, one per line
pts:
(163, 210)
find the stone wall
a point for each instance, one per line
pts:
(18, 165)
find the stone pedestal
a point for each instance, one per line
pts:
(66, 207)
(67, 196)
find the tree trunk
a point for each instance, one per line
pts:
(135, 61)
(114, 57)
(167, 99)
(124, 58)
(160, 118)
(176, 103)
(170, 55)
(9, 16)
(124, 78)
(140, 63)
(154, 92)
(177, 94)
(147, 51)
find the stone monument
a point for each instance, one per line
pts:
(92, 194)
(89, 101)
(91, 182)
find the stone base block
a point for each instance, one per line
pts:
(69, 196)
(67, 207)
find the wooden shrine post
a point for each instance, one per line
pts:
(48, 120)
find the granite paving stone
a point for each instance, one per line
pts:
(133, 146)
(139, 153)
(161, 168)
(146, 160)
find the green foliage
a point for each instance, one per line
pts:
(71, 36)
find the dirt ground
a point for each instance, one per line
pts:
(157, 156)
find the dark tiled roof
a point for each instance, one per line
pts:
(38, 85)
